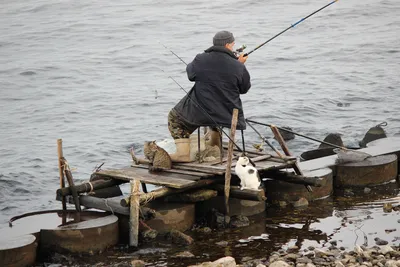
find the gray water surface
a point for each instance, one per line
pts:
(94, 74)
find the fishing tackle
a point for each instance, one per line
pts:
(239, 50)
(291, 26)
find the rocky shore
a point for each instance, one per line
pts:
(380, 256)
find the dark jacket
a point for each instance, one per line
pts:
(219, 80)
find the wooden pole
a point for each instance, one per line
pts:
(70, 180)
(229, 161)
(134, 214)
(285, 149)
(61, 172)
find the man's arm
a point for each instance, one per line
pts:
(190, 70)
(245, 84)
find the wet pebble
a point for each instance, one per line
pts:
(184, 254)
(367, 190)
(302, 202)
(239, 221)
(138, 263)
(222, 243)
(387, 207)
(380, 242)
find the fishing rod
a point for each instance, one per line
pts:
(291, 26)
(265, 140)
(286, 130)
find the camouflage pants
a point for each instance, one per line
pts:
(178, 128)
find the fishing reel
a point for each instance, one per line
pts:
(239, 50)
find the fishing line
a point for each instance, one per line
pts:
(288, 28)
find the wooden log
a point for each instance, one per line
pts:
(285, 149)
(107, 204)
(166, 191)
(192, 197)
(246, 194)
(134, 214)
(70, 180)
(89, 186)
(229, 161)
(293, 178)
(60, 169)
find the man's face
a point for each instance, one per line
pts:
(230, 46)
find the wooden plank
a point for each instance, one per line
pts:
(201, 170)
(173, 180)
(229, 161)
(248, 150)
(201, 166)
(180, 171)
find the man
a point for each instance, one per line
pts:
(220, 77)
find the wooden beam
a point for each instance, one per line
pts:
(89, 186)
(246, 194)
(134, 214)
(61, 170)
(229, 160)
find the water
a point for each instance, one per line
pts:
(94, 74)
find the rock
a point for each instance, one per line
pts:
(279, 264)
(391, 263)
(385, 249)
(387, 207)
(333, 243)
(286, 135)
(311, 248)
(304, 260)
(282, 204)
(148, 235)
(291, 257)
(358, 250)
(380, 242)
(238, 221)
(348, 193)
(332, 138)
(310, 265)
(222, 262)
(319, 253)
(217, 219)
(367, 190)
(182, 255)
(244, 259)
(203, 230)
(225, 262)
(261, 265)
(293, 249)
(374, 133)
(398, 220)
(178, 237)
(222, 243)
(138, 263)
(302, 202)
(390, 230)
(339, 264)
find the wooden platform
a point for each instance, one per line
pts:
(185, 175)
(383, 147)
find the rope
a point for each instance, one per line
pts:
(106, 202)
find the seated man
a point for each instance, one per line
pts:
(220, 77)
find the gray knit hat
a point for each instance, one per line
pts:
(222, 38)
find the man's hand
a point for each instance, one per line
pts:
(242, 58)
